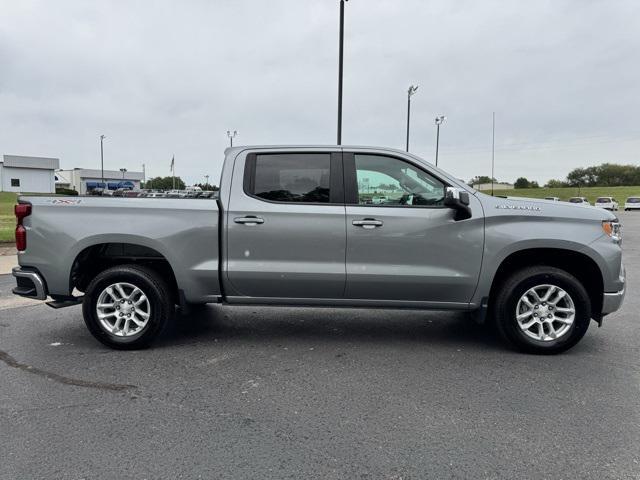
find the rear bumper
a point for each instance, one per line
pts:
(30, 284)
(613, 301)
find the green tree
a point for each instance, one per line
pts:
(522, 182)
(164, 183)
(556, 183)
(479, 179)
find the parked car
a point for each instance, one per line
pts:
(290, 227)
(555, 199)
(632, 203)
(579, 200)
(608, 203)
(379, 199)
(122, 192)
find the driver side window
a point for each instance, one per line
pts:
(388, 181)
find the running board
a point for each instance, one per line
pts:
(65, 303)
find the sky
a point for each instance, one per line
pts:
(164, 78)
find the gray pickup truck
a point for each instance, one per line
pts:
(325, 226)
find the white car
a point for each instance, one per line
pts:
(632, 203)
(555, 199)
(582, 200)
(608, 203)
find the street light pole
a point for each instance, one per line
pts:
(340, 70)
(206, 180)
(231, 136)
(123, 170)
(439, 120)
(102, 137)
(410, 92)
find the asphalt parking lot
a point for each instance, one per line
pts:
(318, 393)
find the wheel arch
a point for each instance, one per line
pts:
(578, 264)
(97, 257)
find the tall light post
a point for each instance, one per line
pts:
(102, 137)
(123, 170)
(206, 180)
(340, 70)
(493, 149)
(410, 93)
(231, 136)
(439, 121)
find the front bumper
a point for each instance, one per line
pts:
(613, 301)
(30, 284)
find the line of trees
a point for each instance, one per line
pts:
(605, 175)
(166, 183)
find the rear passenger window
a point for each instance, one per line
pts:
(292, 177)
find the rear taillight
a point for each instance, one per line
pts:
(21, 210)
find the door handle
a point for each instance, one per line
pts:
(249, 220)
(367, 223)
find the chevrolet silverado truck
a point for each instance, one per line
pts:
(325, 226)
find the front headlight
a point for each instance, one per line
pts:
(613, 229)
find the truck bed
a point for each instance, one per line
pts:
(183, 231)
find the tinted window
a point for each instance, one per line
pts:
(15, 182)
(603, 200)
(575, 200)
(293, 177)
(633, 200)
(390, 181)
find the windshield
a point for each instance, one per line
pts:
(633, 200)
(603, 200)
(575, 200)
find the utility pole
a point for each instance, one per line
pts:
(439, 120)
(231, 136)
(340, 70)
(493, 150)
(410, 92)
(144, 174)
(102, 137)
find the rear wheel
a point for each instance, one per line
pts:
(542, 310)
(127, 306)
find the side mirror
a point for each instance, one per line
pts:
(459, 201)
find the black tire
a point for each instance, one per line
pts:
(160, 303)
(514, 287)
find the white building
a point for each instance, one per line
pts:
(84, 180)
(28, 174)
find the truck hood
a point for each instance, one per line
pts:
(538, 207)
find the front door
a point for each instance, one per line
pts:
(286, 226)
(403, 244)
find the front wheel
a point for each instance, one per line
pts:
(542, 310)
(127, 306)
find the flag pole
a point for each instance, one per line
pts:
(173, 172)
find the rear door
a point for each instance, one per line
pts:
(286, 226)
(407, 247)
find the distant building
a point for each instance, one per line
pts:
(496, 186)
(83, 180)
(28, 174)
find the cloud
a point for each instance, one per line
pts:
(165, 78)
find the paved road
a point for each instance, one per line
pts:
(318, 393)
